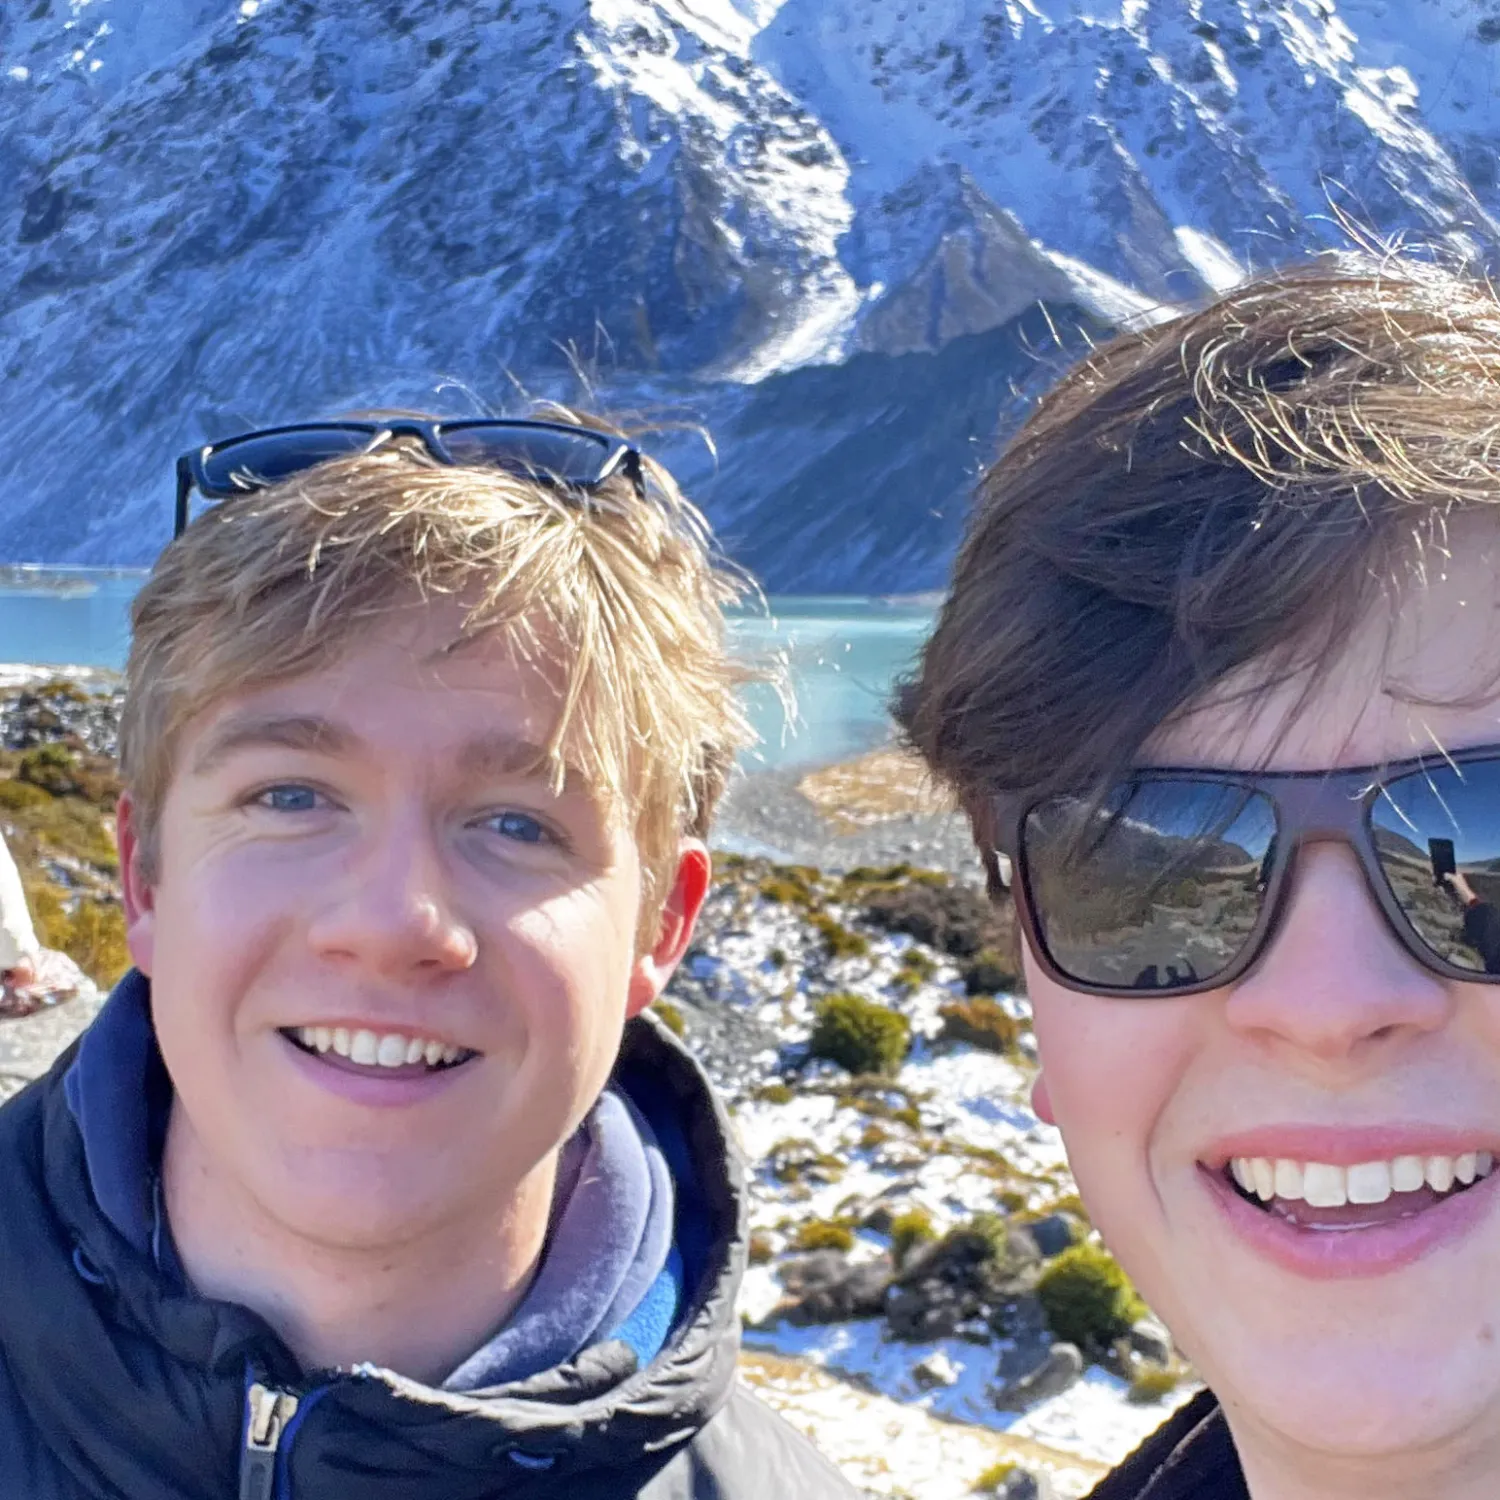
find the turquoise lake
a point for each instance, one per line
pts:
(841, 653)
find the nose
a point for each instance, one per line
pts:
(1335, 985)
(392, 909)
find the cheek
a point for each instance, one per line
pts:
(1112, 1070)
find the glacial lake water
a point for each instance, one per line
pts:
(841, 654)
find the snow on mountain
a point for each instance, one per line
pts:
(233, 211)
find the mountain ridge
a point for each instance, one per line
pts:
(230, 213)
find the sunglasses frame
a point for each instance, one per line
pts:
(1309, 807)
(617, 455)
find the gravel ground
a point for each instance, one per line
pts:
(765, 813)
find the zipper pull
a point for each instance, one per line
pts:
(270, 1411)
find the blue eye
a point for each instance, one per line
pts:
(291, 798)
(515, 825)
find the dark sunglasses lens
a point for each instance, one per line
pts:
(1156, 889)
(537, 452)
(269, 457)
(1437, 836)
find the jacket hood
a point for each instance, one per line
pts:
(142, 1389)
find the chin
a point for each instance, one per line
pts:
(1383, 1401)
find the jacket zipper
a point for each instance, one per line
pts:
(270, 1411)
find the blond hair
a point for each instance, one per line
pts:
(621, 596)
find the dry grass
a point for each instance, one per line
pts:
(883, 784)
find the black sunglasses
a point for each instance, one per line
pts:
(1173, 882)
(554, 453)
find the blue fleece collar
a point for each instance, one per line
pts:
(610, 1270)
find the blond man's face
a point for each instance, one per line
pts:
(1343, 1349)
(356, 863)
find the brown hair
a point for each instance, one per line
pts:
(621, 597)
(1232, 486)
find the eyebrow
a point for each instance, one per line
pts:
(495, 752)
(252, 731)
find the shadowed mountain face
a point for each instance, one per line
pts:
(823, 227)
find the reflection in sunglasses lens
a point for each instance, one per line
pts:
(1158, 886)
(1437, 837)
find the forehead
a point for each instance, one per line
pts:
(403, 686)
(1420, 671)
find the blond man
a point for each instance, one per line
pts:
(372, 1178)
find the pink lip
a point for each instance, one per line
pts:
(400, 1089)
(1342, 1147)
(1331, 1254)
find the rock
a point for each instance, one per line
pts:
(1026, 1484)
(1150, 1340)
(1057, 1372)
(827, 1288)
(1051, 1235)
(28, 1046)
(934, 1371)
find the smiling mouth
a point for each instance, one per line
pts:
(376, 1052)
(1316, 1195)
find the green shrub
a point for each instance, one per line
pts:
(994, 1478)
(1088, 1298)
(981, 1022)
(775, 1093)
(17, 796)
(1151, 1384)
(823, 1234)
(909, 1230)
(777, 958)
(859, 1034)
(54, 768)
(838, 940)
(760, 1248)
(989, 971)
(784, 892)
(670, 1017)
(795, 1158)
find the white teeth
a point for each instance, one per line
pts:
(1368, 1182)
(1324, 1186)
(1408, 1173)
(391, 1052)
(1264, 1176)
(1288, 1179)
(370, 1049)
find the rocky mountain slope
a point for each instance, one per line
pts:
(849, 237)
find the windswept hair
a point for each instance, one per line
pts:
(617, 599)
(1237, 485)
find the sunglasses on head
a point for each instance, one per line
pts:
(1173, 881)
(554, 453)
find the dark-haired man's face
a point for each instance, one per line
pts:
(1337, 1049)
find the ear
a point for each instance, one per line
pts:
(679, 915)
(137, 893)
(1041, 1100)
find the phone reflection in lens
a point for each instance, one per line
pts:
(1437, 836)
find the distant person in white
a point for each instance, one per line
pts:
(19, 948)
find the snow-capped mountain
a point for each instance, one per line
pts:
(840, 233)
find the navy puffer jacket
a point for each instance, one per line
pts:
(114, 1386)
